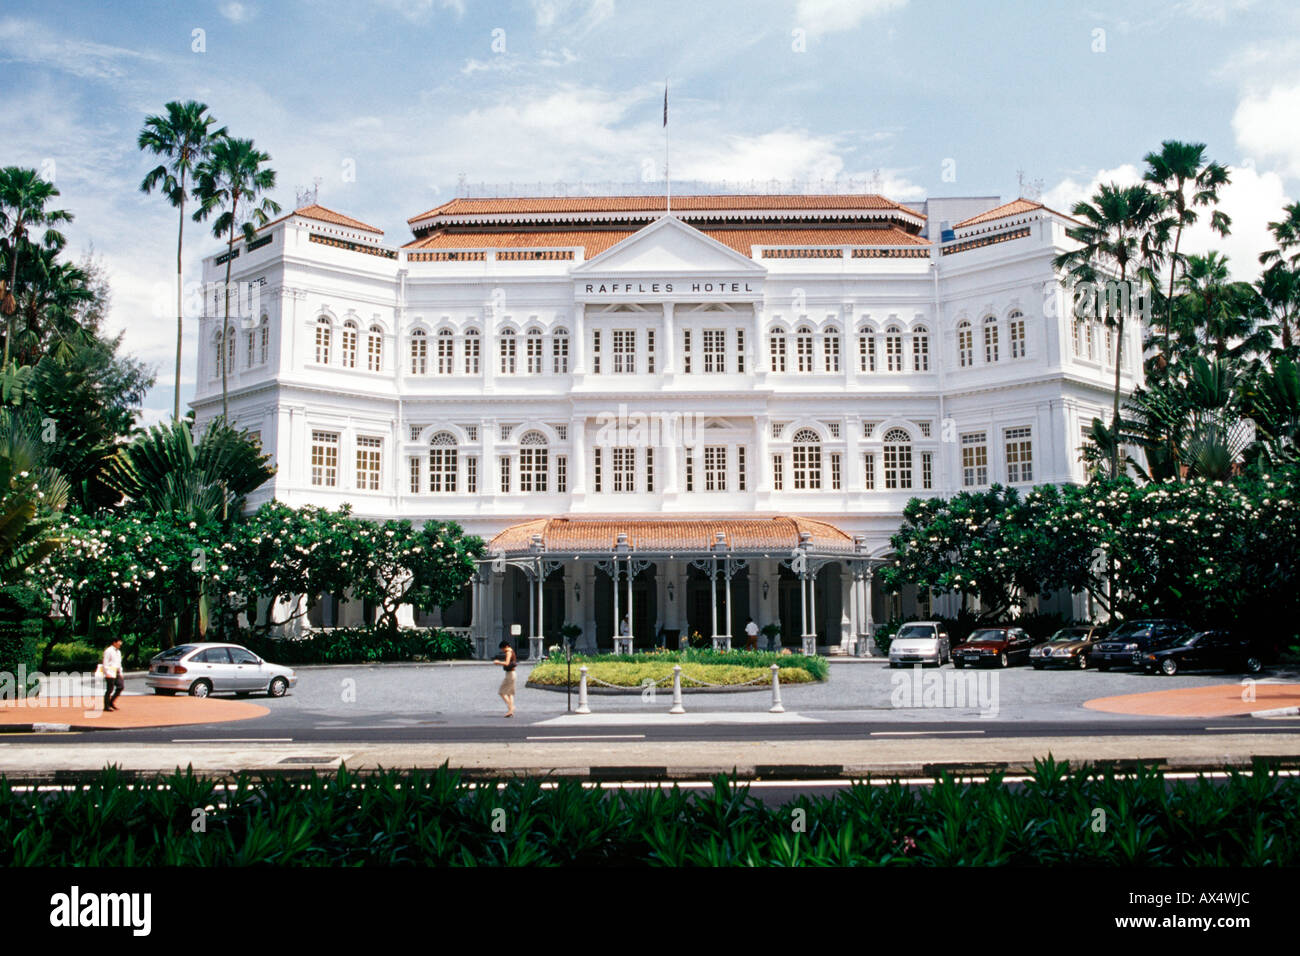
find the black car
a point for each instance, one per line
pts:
(1206, 650)
(1134, 637)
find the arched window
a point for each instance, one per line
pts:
(560, 351)
(473, 349)
(990, 339)
(803, 344)
(349, 343)
(375, 349)
(264, 341)
(419, 352)
(920, 349)
(1016, 333)
(446, 352)
(509, 355)
(831, 349)
(442, 462)
(324, 337)
(866, 349)
(216, 354)
(533, 462)
(251, 357)
(898, 459)
(533, 351)
(894, 349)
(776, 349)
(965, 345)
(807, 460)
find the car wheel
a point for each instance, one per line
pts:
(1038, 666)
(957, 664)
(1103, 667)
(200, 688)
(278, 687)
(1169, 667)
(1254, 665)
(1083, 662)
(164, 693)
(1004, 660)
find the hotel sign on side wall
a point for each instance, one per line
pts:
(686, 288)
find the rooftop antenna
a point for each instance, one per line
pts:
(1031, 189)
(668, 179)
(308, 197)
(876, 181)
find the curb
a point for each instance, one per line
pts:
(1277, 712)
(38, 728)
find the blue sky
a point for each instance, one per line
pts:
(390, 102)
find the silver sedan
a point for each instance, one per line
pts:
(203, 669)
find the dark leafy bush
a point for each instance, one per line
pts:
(21, 625)
(361, 645)
(438, 819)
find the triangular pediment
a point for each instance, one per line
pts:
(668, 245)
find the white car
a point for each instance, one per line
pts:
(203, 669)
(920, 642)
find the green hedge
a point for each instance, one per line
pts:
(814, 665)
(556, 673)
(21, 626)
(438, 819)
(361, 645)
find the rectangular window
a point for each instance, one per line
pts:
(831, 350)
(623, 465)
(532, 352)
(965, 348)
(442, 469)
(835, 471)
(778, 472)
(920, 352)
(649, 469)
(807, 461)
(686, 350)
(562, 473)
(1020, 455)
(974, 460)
(560, 354)
(509, 353)
(446, 353)
(740, 351)
(898, 466)
(597, 454)
(777, 349)
(533, 468)
(690, 471)
(742, 480)
(325, 459)
(369, 456)
(715, 467)
(595, 351)
(471, 475)
(715, 351)
(349, 347)
(867, 352)
(869, 471)
(415, 474)
(505, 474)
(472, 353)
(624, 351)
(650, 351)
(927, 469)
(1017, 330)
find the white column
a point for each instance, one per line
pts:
(578, 456)
(763, 435)
(803, 603)
(631, 616)
(668, 350)
(588, 601)
(868, 623)
(726, 571)
(847, 616)
(713, 599)
(578, 343)
(490, 347)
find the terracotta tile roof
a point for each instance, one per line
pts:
(651, 204)
(1014, 208)
(598, 535)
(596, 241)
(321, 214)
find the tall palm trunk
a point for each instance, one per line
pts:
(180, 327)
(13, 278)
(225, 327)
(1119, 356)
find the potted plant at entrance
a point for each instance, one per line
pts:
(772, 632)
(570, 632)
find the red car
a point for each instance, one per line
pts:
(993, 647)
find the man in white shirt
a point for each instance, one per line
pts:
(751, 632)
(114, 683)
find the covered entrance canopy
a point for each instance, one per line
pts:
(739, 562)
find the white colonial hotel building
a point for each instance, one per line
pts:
(628, 405)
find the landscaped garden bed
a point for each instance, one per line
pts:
(701, 670)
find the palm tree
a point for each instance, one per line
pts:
(1171, 170)
(1279, 291)
(23, 198)
(234, 174)
(1286, 233)
(1221, 308)
(185, 137)
(1120, 236)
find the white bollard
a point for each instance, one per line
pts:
(582, 691)
(677, 707)
(777, 707)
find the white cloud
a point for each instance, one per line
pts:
(1265, 127)
(576, 16)
(27, 42)
(1069, 191)
(236, 12)
(1216, 11)
(1252, 199)
(414, 10)
(820, 17)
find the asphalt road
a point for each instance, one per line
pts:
(439, 703)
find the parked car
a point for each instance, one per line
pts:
(994, 646)
(210, 668)
(920, 642)
(1068, 647)
(1120, 646)
(1205, 650)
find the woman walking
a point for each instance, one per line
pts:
(507, 659)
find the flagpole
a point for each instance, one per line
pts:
(668, 179)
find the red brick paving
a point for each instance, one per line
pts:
(1218, 700)
(133, 711)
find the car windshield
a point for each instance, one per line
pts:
(1133, 629)
(1069, 634)
(174, 652)
(985, 637)
(914, 631)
